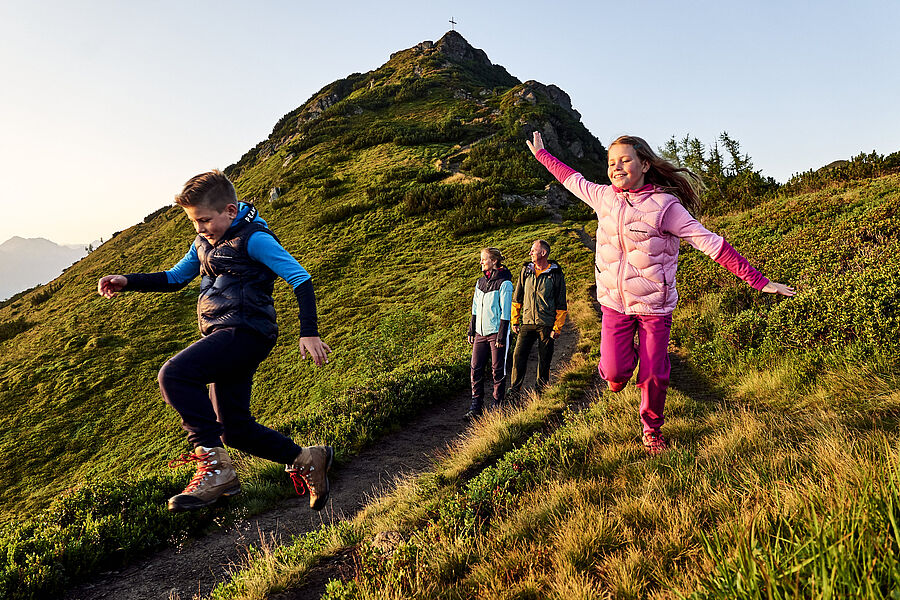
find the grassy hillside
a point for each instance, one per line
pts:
(782, 481)
(385, 185)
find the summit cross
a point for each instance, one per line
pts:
(452, 24)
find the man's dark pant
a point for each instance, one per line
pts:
(482, 348)
(528, 335)
(226, 360)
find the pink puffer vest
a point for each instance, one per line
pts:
(636, 261)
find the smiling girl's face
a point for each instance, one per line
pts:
(626, 171)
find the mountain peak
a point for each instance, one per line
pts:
(17, 243)
(453, 45)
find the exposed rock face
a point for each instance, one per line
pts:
(387, 541)
(555, 199)
(482, 82)
(577, 149)
(321, 104)
(557, 196)
(556, 95)
(454, 46)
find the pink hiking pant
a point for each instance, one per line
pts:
(618, 358)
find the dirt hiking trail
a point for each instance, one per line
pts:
(195, 567)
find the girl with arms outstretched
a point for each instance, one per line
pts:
(642, 218)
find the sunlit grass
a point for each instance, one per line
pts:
(757, 498)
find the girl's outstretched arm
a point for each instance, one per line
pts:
(679, 222)
(586, 191)
(536, 144)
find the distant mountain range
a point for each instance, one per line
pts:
(27, 262)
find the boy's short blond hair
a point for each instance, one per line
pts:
(212, 189)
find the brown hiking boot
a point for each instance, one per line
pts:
(215, 478)
(310, 472)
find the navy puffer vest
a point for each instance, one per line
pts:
(235, 290)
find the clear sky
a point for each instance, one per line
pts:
(107, 107)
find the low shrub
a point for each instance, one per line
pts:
(43, 294)
(92, 528)
(341, 212)
(11, 329)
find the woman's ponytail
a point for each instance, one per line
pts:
(495, 255)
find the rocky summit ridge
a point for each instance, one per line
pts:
(450, 66)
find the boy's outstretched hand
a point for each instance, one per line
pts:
(111, 285)
(535, 145)
(779, 288)
(318, 350)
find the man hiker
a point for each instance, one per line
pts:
(538, 314)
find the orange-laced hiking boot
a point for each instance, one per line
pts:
(215, 478)
(654, 443)
(310, 471)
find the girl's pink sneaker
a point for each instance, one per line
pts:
(654, 443)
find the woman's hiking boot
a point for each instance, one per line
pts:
(309, 471)
(215, 478)
(654, 443)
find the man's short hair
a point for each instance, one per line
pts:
(544, 246)
(212, 189)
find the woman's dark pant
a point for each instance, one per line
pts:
(226, 360)
(484, 347)
(528, 335)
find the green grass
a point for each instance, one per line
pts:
(777, 404)
(782, 480)
(84, 435)
(747, 504)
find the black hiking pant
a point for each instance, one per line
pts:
(528, 335)
(226, 361)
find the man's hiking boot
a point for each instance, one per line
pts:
(215, 478)
(475, 411)
(309, 471)
(654, 443)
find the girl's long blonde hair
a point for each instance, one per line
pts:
(678, 181)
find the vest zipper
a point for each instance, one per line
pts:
(481, 314)
(665, 289)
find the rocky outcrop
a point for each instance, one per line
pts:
(528, 90)
(454, 46)
(554, 199)
(320, 105)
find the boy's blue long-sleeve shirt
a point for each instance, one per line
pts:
(261, 247)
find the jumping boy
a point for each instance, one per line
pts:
(238, 258)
